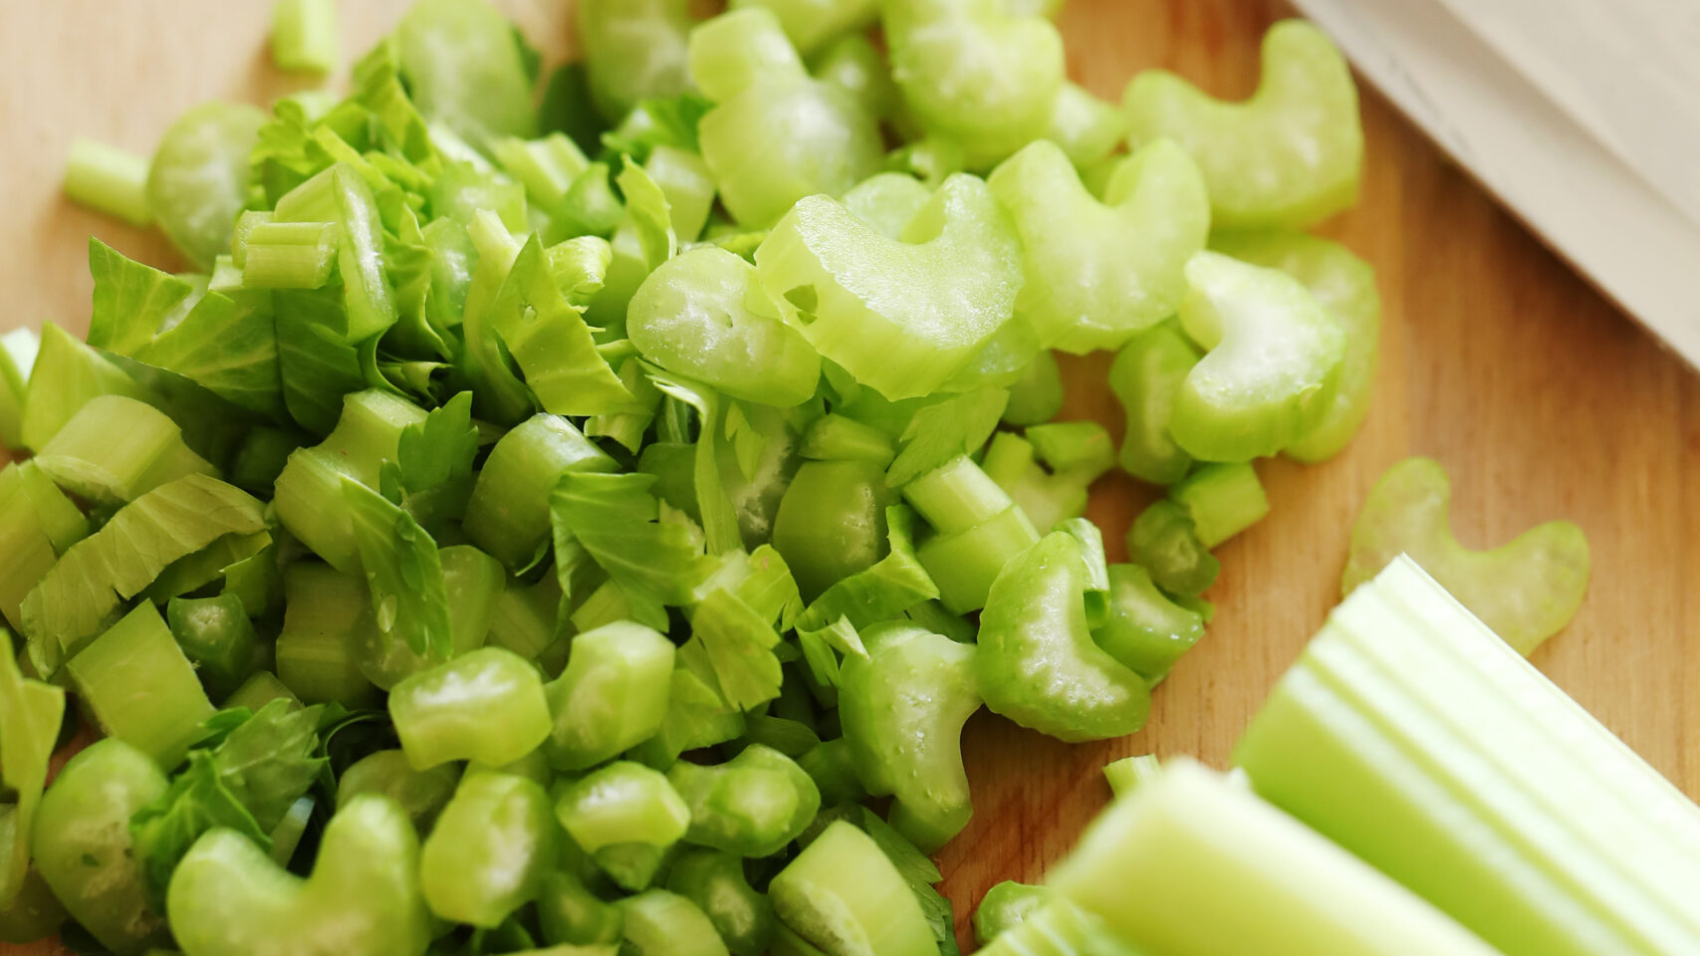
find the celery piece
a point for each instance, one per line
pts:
(261, 457)
(612, 696)
(1459, 770)
(526, 619)
(1526, 590)
(139, 652)
(1056, 926)
(831, 523)
(116, 449)
(1145, 630)
(194, 571)
(715, 882)
(546, 167)
(487, 705)
(838, 438)
(1164, 541)
(643, 240)
(84, 850)
(1289, 156)
(363, 896)
(465, 67)
(703, 315)
(1002, 362)
(1048, 497)
(258, 691)
(133, 302)
(34, 913)
(589, 208)
(975, 74)
(743, 61)
(1099, 273)
(108, 179)
(81, 594)
(887, 201)
(1087, 128)
(854, 65)
(738, 644)
(65, 375)
(309, 496)
(615, 518)
(1037, 664)
(622, 803)
(830, 765)
(964, 564)
(697, 717)
(198, 179)
(1189, 839)
(327, 615)
(229, 349)
(304, 36)
(1345, 285)
(33, 712)
(659, 923)
(1272, 363)
(488, 850)
(342, 196)
(880, 592)
(944, 429)
(688, 184)
(37, 525)
(508, 514)
(287, 835)
(1146, 375)
(571, 915)
(1037, 396)
(1130, 773)
(843, 897)
(404, 572)
(218, 638)
(18, 349)
(753, 805)
(956, 496)
(1005, 906)
(832, 276)
(810, 23)
(903, 705)
(1222, 501)
(421, 794)
(633, 51)
(472, 583)
(290, 255)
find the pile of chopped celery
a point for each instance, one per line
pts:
(546, 512)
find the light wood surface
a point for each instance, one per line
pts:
(1540, 399)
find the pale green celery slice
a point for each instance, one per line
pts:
(1098, 273)
(141, 687)
(198, 179)
(811, 23)
(108, 179)
(1526, 590)
(1290, 155)
(1345, 285)
(843, 896)
(1191, 865)
(304, 35)
(116, 449)
(18, 350)
(901, 316)
(1129, 773)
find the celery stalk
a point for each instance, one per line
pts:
(1189, 844)
(108, 179)
(137, 681)
(1455, 767)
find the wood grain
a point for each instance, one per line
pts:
(1540, 399)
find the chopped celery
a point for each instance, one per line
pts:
(612, 696)
(65, 376)
(289, 255)
(659, 923)
(1287, 157)
(465, 67)
(326, 617)
(108, 179)
(1146, 376)
(116, 449)
(33, 713)
(1526, 590)
(1222, 501)
(139, 652)
(81, 594)
(634, 50)
(37, 525)
(198, 179)
(508, 514)
(1037, 396)
(1165, 542)
(488, 849)
(753, 805)
(1189, 843)
(842, 896)
(901, 315)
(218, 638)
(304, 35)
(715, 881)
(488, 705)
(1099, 273)
(1145, 630)
(831, 522)
(1129, 773)
(1458, 769)
(18, 349)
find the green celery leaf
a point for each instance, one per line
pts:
(920, 873)
(957, 425)
(440, 448)
(267, 762)
(719, 519)
(670, 121)
(739, 646)
(615, 518)
(229, 349)
(81, 594)
(131, 300)
(197, 801)
(30, 716)
(403, 571)
(318, 368)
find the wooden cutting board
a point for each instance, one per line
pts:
(1540, 399)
